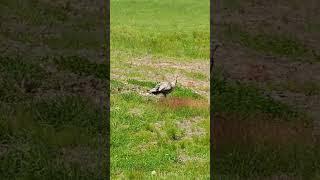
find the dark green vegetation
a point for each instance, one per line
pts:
(50, 138)
(266, 134)
(43, 135)
(237, 97)
(78, 28)
(272, 44)
(256, 136)
(51, 125)
(18, 76)
(82, 66)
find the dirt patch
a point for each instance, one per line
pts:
(184, 158)
(165, 70)
(183, 102)
(189, 128)
(200, 66)
(136, 112)
(143, 147)
(158, 127)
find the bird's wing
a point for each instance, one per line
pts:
(155, 89)
(164, 86)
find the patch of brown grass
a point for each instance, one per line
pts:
(174, 103)
(232, 129)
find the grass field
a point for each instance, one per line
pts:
(156, 138)
(52, 74)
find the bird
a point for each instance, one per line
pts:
(164, 88)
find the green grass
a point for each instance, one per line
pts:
(185, 93)
(146, 84)
(150, 147)
(116, 86)
(162, 28)
(156, 141)
(146, 135)
(197, 76)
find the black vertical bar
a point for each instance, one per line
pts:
(214, 6)
(107, 51)
(211, 113)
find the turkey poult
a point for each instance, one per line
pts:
(164, 88)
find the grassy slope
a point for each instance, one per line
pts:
(147, 134)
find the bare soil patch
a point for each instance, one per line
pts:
(189, 128)
(183, 102)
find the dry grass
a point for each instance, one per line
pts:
(183, 102)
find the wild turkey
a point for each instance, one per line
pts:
(164, 88)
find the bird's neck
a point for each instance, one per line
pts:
(174, 83)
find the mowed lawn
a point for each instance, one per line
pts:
(152, 137)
